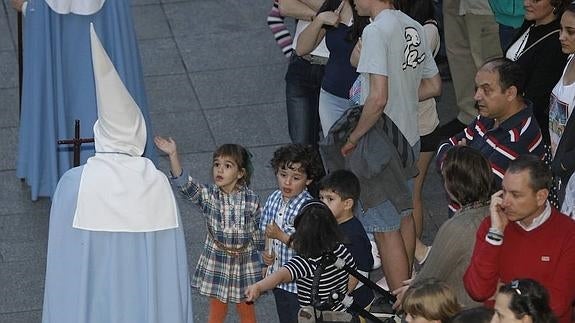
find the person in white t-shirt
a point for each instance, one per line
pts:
(397, 71)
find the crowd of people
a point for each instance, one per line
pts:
(360, 89)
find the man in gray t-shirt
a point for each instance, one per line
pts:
(397, 70)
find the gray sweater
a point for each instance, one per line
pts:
(452, 250)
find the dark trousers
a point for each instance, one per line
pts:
(287, 305)
(303, 83)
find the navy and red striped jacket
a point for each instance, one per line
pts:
(518, 135)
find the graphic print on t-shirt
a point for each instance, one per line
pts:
(557, 121)
(411, 54)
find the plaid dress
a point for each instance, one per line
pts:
(230, 261)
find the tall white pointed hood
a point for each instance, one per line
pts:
(119, 190)
(120, 126)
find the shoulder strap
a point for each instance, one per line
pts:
(539, 40)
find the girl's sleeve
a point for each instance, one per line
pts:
(259, 239)
(189, 188)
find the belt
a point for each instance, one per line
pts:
(314, 59)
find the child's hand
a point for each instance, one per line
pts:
(166, 145)
(252, 292)
(268, 257)
(273, 231)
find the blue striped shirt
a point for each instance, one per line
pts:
(272, 211)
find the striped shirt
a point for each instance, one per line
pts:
(518, 135)
(283, 213)
(331, 279)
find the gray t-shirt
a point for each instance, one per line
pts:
(394, 45)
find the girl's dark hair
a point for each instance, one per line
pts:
(528, 297)
(288, 155)
(419, 10)
(467, 175)
(359, 22)
(473, 315)
(316, 230)
(241, 156)
(560, 6)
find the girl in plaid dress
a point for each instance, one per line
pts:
(230, 261)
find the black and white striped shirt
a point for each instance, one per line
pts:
(331, 279)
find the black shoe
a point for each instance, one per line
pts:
(451, 128)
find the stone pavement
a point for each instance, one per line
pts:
(214, 75)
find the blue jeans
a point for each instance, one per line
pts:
(287, 305)
(331, 108)
(303, 82)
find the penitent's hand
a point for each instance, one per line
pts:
(167, 145)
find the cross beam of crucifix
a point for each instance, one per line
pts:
(76, 142)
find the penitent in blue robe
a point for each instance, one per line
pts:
(58, 86)
(96, 277)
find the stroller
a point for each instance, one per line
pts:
(381, 311)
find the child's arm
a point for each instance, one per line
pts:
(254, 291)
(169, 147)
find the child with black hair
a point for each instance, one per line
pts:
(340, 191)
(316, 233)
(296, 166)
(231, 259)
(523, 300)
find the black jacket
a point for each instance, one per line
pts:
(543, 64)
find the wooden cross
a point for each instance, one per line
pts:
(76, 142)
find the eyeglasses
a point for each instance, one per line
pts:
(515, 284)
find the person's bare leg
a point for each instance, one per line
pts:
(407, 230)
(422, 165)
(394, 259)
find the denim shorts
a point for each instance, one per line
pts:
(383, 217)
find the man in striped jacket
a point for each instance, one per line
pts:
(505, 127)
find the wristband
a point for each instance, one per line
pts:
(496, 231)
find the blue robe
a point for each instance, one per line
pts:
(95, 277)
(58, 86)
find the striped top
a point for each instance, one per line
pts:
(518, 135)
(302, 270)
